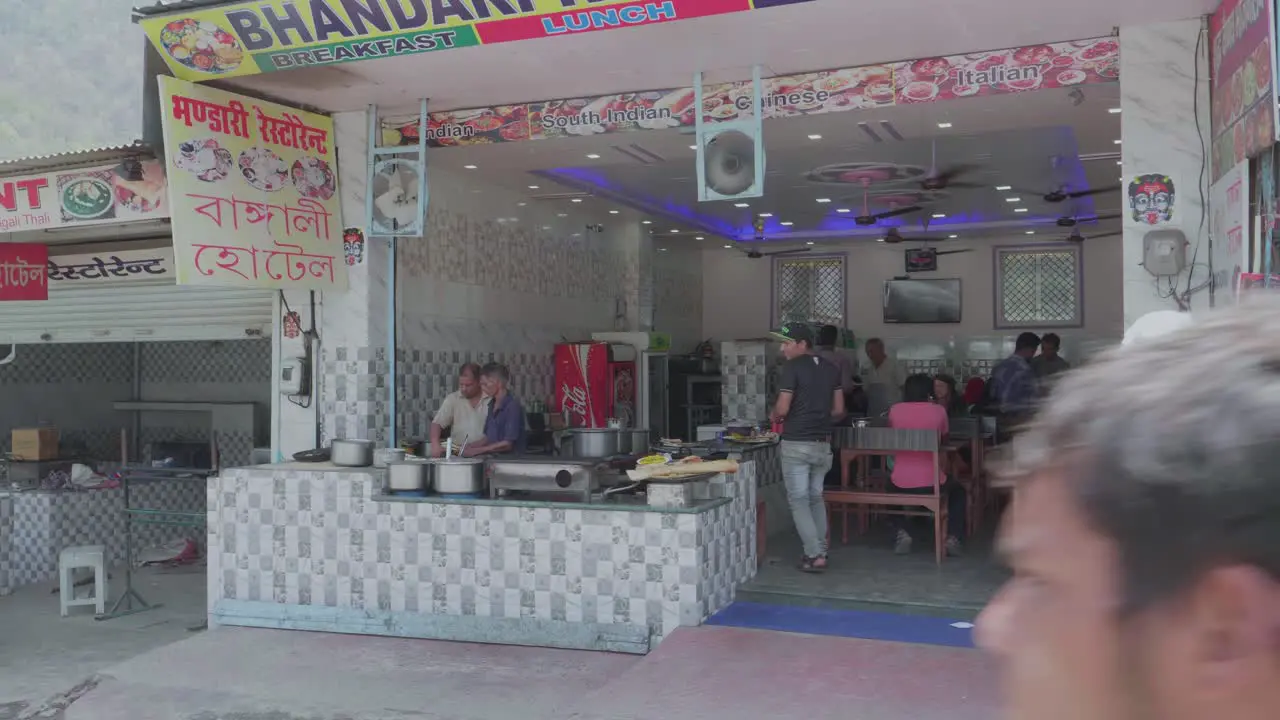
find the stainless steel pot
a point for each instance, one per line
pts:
(383, 457)
(408, 475)
(638, 441)
(352, 453)
(457, 476)
(593, 442)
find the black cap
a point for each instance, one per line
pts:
(794, 332)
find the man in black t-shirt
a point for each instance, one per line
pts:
(810, 398)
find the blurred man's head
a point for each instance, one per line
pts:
(469, 381)
(796, 340)
(875, 351)
(1050, 344)
(1145, 538)
(827, 336)
(495, 379)
(1026, 345)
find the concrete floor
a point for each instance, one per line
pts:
(866, 574)
(42, 654)
(149, 666)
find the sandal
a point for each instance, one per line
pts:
(813, 565)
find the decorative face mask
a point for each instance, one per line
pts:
(1151, 199)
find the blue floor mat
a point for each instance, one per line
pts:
(847, 623)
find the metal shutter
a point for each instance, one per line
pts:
(138, 312)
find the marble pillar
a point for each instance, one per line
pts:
(1164, 86)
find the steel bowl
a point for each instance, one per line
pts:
(352, 453)
(456, 476)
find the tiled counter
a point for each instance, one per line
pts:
(36, 525)
(320, 549)
(769, 487)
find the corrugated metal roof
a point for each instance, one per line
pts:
(166, 7)
(91, 156)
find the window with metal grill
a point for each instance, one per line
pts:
(1038, 287)
(809, 290)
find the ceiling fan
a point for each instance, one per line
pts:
(756, 254)
(1077, 237)
(895, 237)
(942, 179)
(1070, 221)
(869, 218)
(1062, 194)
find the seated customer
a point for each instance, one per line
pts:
(945, 394)
(504, 430)
(913, 471)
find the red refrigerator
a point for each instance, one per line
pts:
(595, 381)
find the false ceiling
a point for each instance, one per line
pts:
(821, 169)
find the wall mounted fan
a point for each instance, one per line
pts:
(395, 186)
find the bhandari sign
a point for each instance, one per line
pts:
(253, 191)
(248, 38)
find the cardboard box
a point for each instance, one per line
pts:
(34, 443)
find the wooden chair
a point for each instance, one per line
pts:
(892, 440)
(975, 482)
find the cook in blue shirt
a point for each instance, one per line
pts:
(1013, 381)
(504, 430)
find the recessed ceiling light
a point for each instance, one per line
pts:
(879, 239)
(693, 147)
(592, 156)
(766, 214)
(1117, 142)
(546, 227)
(1013, 199)
(675, 231)
(1114, 111)
(1019, 209)
(1002, 188)
(815, 137)
(1031, 232)
(787, 224)
(577, 234)
(742, 204)
(533, 187)
(824, 200)
(577, 200)
(662, 249)
(944, 125)
(843, 210)
(646, 222)
(613, 212)
(952, 237)
(469, 167)
(728, 247)
(1119, 162)
(562, 214)
(939, 215)
(809, 243)
(521, 204)
(699, 237)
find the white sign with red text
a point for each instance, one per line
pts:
(1229, 229)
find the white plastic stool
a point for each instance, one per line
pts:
(82, 556)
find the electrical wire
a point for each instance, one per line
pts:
(1184, 299)
(303, 400)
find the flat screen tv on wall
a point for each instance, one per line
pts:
(922, 301)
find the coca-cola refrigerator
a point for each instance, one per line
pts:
(616, 375)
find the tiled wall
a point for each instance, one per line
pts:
(750, 379)
(73, 386)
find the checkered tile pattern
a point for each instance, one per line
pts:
(6, 544)
(750, 372)
(311, 538)
(43, 523)
(207, 362)
(767, 466)
(105, 363)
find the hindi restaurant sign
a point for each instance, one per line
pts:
(248, 38)
(131, 190)
(24, 271)
(253, 191)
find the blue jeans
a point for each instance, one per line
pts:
(804, 466)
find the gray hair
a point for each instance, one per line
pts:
(1172, 449)
(497, 371)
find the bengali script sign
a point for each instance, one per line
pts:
(248, 38)
(1228, 224)
(253, 191)
(996, 72)
(118, 268)
(133, 189)
(1242, 106)
(24, 271)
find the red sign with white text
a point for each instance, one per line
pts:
(24, 271)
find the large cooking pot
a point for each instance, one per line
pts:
(352, 453)
(593, 442)
(456, 476)
(638, 440)
(408, 476)
(382, 457)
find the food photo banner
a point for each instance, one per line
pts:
(249, 38)
(126, 191)
(998, 72)
(1242, 103)
(253, 191)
